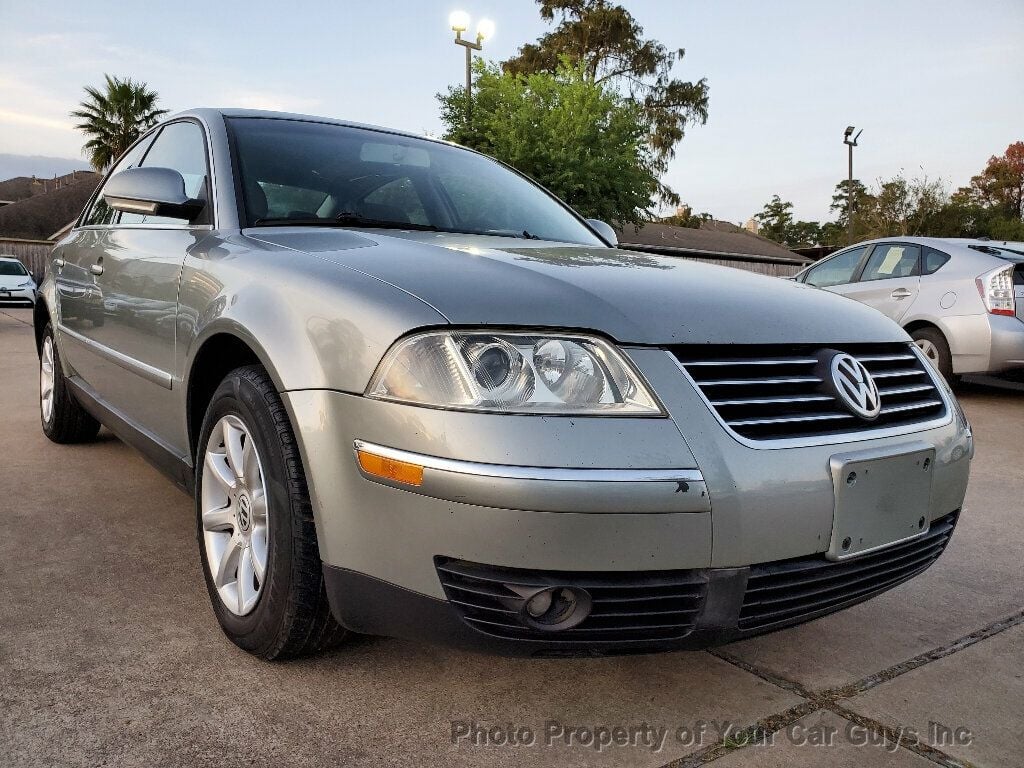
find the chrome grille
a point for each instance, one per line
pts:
(796, 590)
(627, 606)
(775, 392)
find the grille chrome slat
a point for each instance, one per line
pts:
(780, 380)
(774, 400)
(911, 406)
(764, 393)
(909, 390)
(790, 419)
(741, 361)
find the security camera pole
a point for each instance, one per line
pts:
(851, 143)
(484, 31)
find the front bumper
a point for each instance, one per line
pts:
(17, 297)
(641, 612)
(743, 509)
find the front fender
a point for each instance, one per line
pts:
(314, 324)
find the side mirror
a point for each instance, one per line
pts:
(151, 191)
(604, 230)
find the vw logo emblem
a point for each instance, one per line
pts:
(244, 513)
(855, 387)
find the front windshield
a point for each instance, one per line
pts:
(322, 174)
(12, 268)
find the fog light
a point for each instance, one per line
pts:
(554, 608)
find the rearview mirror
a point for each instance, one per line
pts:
(152, 192)
(604, 230)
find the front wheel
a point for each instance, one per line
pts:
(257, 539)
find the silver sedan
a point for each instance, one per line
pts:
(414, 394)
(962, 301)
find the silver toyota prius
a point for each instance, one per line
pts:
(414, 394)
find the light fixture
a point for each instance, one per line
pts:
(459, 21)
(484, 30)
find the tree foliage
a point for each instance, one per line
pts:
(607, 44)
(776, 223)
(579, 138)
(992, 205)
(114, 117)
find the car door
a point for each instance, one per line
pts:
(837, 271)
(135, 262)
(81, 306)
(890, 280)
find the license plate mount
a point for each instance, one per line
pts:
(882, 497)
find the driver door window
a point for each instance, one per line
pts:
(181, 147)
(837, 270)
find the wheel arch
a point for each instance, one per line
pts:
(40, 317)
(216, 355)
(916, 325)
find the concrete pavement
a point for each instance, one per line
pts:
(110, 654)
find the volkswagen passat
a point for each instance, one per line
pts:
(414, 394)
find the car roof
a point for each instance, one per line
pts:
(209, 113)
(947, 242)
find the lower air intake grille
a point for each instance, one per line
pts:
(785, 391)
(794, 590)
(652, 605)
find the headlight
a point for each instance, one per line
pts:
(513, 373)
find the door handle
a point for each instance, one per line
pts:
(96, 269)
(900, 293)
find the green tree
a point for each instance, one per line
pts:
(777, 223)
(579, 138)
(114, 117)
(607, 43)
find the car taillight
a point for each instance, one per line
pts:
(996, 289)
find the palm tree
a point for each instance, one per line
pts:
(115, 118)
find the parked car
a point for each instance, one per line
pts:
(414, 394)
(962, 301)
(17, 288)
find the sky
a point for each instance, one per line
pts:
(936, 85)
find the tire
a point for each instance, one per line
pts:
(934, 346)
(278, 608)
(64, 420)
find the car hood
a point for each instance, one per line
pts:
(13, 281)
(632, 297)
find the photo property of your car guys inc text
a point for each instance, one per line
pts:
(535, 383)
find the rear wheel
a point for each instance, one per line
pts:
(934, 347)
(63, 419)
(255, 524)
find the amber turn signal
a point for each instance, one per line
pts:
(390, 469)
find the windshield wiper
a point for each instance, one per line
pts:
(346, 220)
(523, 234)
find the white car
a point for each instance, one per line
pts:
(962, 301)
(17, 288)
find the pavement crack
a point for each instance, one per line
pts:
(15, 319)
(899, 737)
(751, 736)
(867, 683)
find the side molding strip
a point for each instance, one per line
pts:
(148, 372)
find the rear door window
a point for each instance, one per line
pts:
(889, 260)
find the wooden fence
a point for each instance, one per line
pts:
(32, 253)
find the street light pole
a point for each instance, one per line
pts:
(851, 143)
(459, 21)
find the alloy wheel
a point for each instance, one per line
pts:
(234, 515)
(929, 350)
(46, 380)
